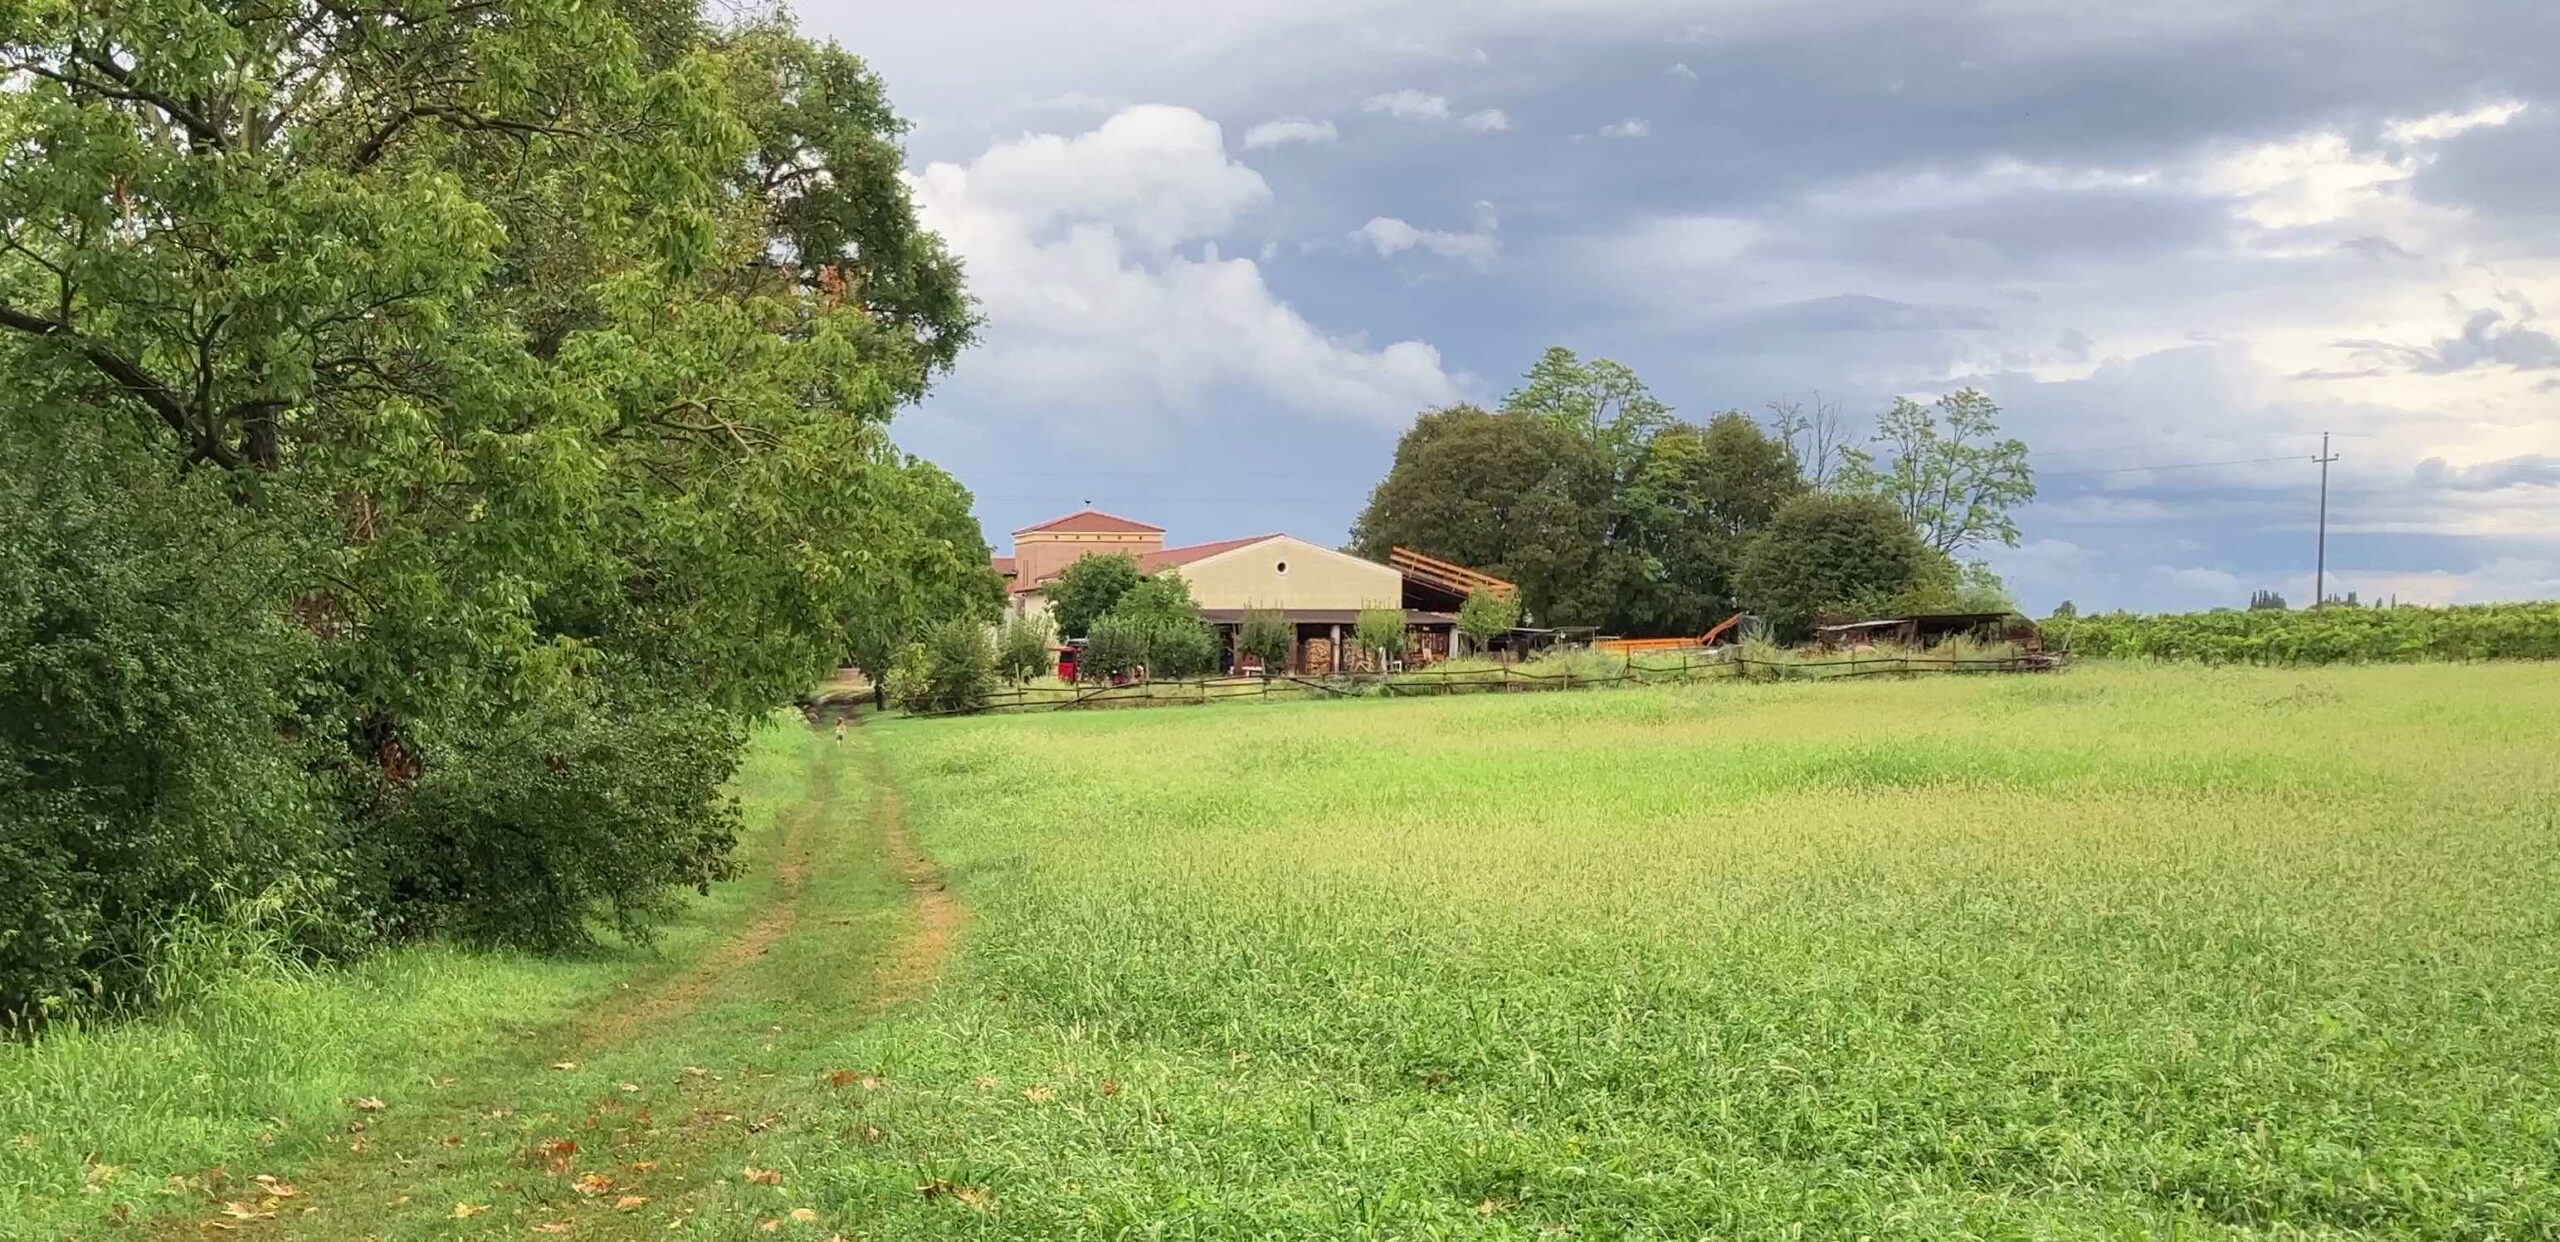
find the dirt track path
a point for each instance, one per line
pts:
(524, 1135)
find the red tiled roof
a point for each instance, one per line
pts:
(1170, 557)
(1091, 522)
(1001, 564)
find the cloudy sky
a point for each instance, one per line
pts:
(1226, 251)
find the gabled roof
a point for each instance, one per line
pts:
(1001, 564)
(1169, 557)
(1090, 522)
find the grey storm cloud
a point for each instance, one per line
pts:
(2488, 339)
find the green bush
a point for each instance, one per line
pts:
(1022, 649)
(1114, 647)
(909, 684)
(1181, 648)
(148, 667)
(1380, 629)
(1267, 634)
(963, 668)
(1835, 554)
(589, 802)
(2528, 631)
(1486, 616)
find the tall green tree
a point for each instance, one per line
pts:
(1947, 470)
(1825, 554)
(1088, 590)
(1680, 520)
(561, 342)
(1515, 495)
(1602, 401)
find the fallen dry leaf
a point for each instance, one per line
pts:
(644, 1165)
(841, 1078)
(1038, 1095)
(804, 1215)
(770, 1226)
(100, 1174)
(628, 1202)
(629, 1087)
(242, 1211)
(592, 1184)
(557, 1226)
(1488, 1208)
(978, 1197)
(465, 1211)
(452, 1140)
(987, 1082)
(564, 1065)
(764, 1177)
(268, 1183)
(370, 1104)
(870, 1082)
(1110, 1086)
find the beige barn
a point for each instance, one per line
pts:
(1318, 590)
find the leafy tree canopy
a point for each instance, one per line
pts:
(1487, 616)
(1944, 467)
(556, 342)
(1825, 554)
(1514, 495)
(1088, 590)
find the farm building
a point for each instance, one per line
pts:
(1317, 589)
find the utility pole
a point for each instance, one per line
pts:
(2320, 565)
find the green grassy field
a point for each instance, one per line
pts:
(2117, 952)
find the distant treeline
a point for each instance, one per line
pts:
(2318, 636)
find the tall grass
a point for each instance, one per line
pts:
(2112, 953)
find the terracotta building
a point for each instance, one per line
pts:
(1317, 589)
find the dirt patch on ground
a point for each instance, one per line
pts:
(687, 991)
(917, 962)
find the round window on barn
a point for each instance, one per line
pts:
(1282, 567)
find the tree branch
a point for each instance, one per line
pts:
(130, 376)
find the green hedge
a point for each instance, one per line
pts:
(2323, 636)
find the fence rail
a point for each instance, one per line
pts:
(1501, 678)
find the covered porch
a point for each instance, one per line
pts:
(1324, 641)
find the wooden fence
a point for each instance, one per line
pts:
(1501, 678)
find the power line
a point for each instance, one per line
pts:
(2180, 465)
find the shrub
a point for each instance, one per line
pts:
(910, 681)
(1267, 634)
(1114, 647)
(1824, 553)
(1022, 649)
(1487, 616)
(591, 801)
(960, 667)
(148, 662)
(1380, 629)
(1180, 648)
(2318, 635)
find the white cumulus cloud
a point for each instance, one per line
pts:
(1632, 127)
(1682, 71)
(1409, 105)
(1288, 129)
(1491, 120)
(1095, 260)
(1391, 236)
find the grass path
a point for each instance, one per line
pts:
(642, 1115)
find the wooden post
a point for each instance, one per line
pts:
(1333, 655)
